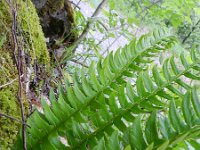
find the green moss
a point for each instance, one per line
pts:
(9, 128)
(8, 101)
(34, 45)
(29, 22)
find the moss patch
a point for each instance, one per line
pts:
(29, 22)
(8, 101)
(34, 46)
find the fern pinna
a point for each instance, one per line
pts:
(103, 102)
(181, 127)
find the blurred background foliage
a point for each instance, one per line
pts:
(180, 15)
(121, 20)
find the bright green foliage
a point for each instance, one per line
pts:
(181, 15)
(174, 12)
(102, 101)
(80, 22)
(160, 131)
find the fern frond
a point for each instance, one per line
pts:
(65, 117)
(161, 132)
(150, 93)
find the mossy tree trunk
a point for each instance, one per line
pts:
(32, 41)
(37, 66)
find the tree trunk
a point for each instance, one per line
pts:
(35, 55)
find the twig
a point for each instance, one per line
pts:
(189, 34)
(76, 5)
(80, 63)
(78, 2)
(15, 119)
(10, 82)
(103, 25)
(58, 65)
(18, 63)
(88, 25)
(115, 40)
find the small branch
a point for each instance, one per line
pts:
(80, 63)
(9, 83)
(18, 63)
(58, 65)
(189, 34)
(15, 119)
(103, 25)
(115, 40)
(88, 25)
(76, 5)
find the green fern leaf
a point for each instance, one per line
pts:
(70, 112)
(174, 130)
